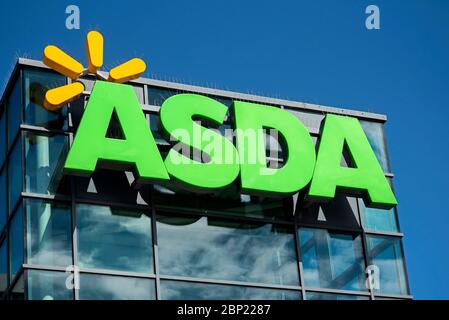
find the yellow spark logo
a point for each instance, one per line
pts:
(61, 62)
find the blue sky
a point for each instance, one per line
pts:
(312, 51)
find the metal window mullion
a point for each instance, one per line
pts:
(299, 260)
(20, 204)
(46, 131)
(74, 240)
(155, 245)
(259, 285)
(114, 273)
(76, 276)
(44, 267)
(12, 146)
(25, 246)
(339, 291)
(393, 296)
(220, 215)
(145, 94)
(8, 278)
(3, 233)
(385, 234)
(16, 279)
(405, 267)
(25, 284)
(117, 205)
(6, 239)
(329, 227)
(365, 249)
(45, 197)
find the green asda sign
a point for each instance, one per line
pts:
(319, 173)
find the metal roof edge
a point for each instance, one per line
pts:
(236, 95)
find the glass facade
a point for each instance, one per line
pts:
(205, 247)
(48, 285)
(386, 254)
(3, 135)
(49, 236)
(103, 287)
(178, 290)
(3, 267)
(378, 219)
(3, 200)
(36, 83)
(375, 133)
(16, 244)
(116, 239)
(332, 260)
(333, 296)
(101, 237)
(15, 178)
(14, 111)
(44, 158)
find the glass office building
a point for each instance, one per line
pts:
(64, 237)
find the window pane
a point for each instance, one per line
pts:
(16, 243)
(228, 200)
(49, 236)
(274, 144)
(15, 175)
(333, 296)
(37, 83)
(156, 128)
(178, 290)
(378, 219)
(18, 291)
(312, 121)
(3, 199)
(375, 134)
(48, 285)
(45, 157)
(14, 111)
(332, 260)
(2, 137)
(156, 96)
(386, 254)
(112, 186)
(100, 287)
(3, 268)
(76, 111)
(338, 212)
(114, 239)
(214, 248)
